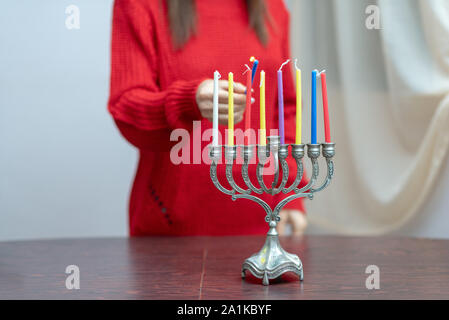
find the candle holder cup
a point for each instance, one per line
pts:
(272, 260)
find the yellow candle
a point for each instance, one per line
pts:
(298, 106)
(263, 130)
(230, 109)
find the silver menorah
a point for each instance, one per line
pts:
(272, 260)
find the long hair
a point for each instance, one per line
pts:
(182, 18)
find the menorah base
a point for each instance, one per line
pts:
(272, 261)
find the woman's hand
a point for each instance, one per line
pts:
(204, 99)
(295, 218)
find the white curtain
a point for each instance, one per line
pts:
(388, 102)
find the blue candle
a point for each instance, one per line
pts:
(313, 125)
(254, 69)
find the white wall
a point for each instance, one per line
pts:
(64, 169)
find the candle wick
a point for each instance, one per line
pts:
(218, 73)
(287, 61)
(320, 72)
(247, 69)
(296, 67)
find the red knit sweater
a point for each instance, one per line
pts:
(152, 92)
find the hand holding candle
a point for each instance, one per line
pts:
(205, 100)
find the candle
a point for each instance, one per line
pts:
(281, 103)
(298, 105)
(254, 69)
(230, 109)
(215, 110)
(313, 113)
(248, 106)
(327, 130)
(263, 133)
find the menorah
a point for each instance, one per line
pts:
(272, 260)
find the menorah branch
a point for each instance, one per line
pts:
(230, 155)
(247, 156)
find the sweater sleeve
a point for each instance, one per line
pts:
(144, 113)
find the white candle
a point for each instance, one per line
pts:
(215, 110)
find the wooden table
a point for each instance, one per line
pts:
(209, 268)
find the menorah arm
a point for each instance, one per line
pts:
(298, 178)
(214, 178)
(259, 174)
(286, 200)
(264, 153)
(315, 172)
(285, 173)
(298, 155)
(330, 174)
(231, 181)
(328, 153)
(276, 171)
(247, 180)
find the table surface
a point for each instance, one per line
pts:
(210, 268)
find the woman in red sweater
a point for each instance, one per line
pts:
(163, 57)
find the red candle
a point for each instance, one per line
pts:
(248, 108)
(327, 130)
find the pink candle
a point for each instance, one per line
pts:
(281, 103)
(248, 107)
(327, 130)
